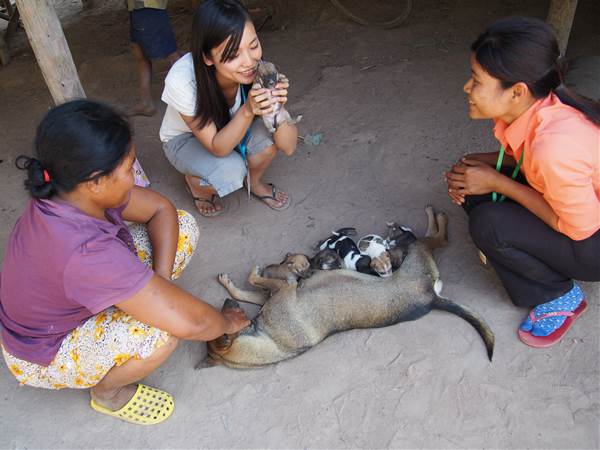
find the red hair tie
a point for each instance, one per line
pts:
(46, 176)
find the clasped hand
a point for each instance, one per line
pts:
(262, 101)
(470, 177)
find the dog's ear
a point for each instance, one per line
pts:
(287, 255)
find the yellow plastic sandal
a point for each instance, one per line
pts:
(148, 406)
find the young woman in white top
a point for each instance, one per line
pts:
(212, 131)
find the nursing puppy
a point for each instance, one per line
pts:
(293, 270)
(341, 242)
(326, 260)
(376, 248)
(294, 267)
(398, 240)
(267, 77)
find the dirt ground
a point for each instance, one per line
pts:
(393, 117)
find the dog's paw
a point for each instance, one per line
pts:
(224, 279)
(254, 274)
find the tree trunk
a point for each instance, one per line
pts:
(51, 50)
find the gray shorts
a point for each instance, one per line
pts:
(226, 174)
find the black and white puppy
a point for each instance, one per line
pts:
(398, 240)
(341, 242)
(326, 260)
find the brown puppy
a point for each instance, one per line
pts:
(294, 267)
(267, 77)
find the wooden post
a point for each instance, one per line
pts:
(51, 49)
(560, 16)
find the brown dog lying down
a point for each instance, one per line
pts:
(294, 320)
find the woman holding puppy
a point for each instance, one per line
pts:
(85, 300)
(534, 206)
(210, 131)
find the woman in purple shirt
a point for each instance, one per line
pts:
(85, 301)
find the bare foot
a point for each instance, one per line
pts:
(116, 399)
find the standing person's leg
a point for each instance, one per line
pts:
(152, 38)
(536, 264)
(145, 106)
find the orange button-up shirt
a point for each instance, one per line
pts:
(562, 154)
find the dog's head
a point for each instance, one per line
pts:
(399, 235)
(298, 264)
(221, 345)
(382, 264)
(266, 75)
(326, 260)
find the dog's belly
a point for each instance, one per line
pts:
(340, 300)
(293, 321)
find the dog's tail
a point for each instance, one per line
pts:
(477, 322)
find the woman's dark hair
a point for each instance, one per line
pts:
(214, 22)
(525, 49)
(76, 142)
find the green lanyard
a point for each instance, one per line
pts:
(242, 146)
(499, 166)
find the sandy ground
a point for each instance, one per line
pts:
(393, 115)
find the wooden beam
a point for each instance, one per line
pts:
(560, 16)
(51, 49)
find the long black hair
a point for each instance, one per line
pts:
(75, 142)
(214, 22)
(525, 49)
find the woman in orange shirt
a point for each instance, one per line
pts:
(546, 233)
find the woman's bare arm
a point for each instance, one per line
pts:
(222, 142)
(163, 305)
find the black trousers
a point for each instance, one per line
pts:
(535, 263)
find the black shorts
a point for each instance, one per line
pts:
(150, 29)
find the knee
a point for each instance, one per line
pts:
(188, 229)
(231, 171)
(290, 149)
(270, 151)
(165, 350)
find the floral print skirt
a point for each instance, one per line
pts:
(110, 338)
